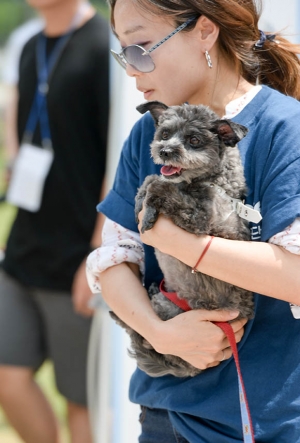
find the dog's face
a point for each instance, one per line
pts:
(189, 140)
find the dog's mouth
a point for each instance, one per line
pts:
(169, 170)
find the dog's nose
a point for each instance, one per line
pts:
(164, 154)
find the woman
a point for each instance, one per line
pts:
(212, 53)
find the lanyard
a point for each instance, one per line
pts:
(45, 68)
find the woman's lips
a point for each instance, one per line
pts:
(147, 94)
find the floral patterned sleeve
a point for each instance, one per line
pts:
(119, 245)
(290, 240)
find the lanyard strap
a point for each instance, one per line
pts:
(45, 69)
(248, 432)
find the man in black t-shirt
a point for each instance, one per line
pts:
(44, 295)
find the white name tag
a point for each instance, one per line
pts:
(295, 310)
(248, 213)
(243, 211)
(28, 177)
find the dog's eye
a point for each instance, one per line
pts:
(194, 140)
(165, 135)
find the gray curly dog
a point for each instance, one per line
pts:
(201, 174)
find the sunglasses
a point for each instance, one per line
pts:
(138, 57)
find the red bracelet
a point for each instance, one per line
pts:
(194, 269)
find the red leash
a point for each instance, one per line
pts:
(248, 432)
(245, 410)
(173, 297)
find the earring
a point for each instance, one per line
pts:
(208, 59)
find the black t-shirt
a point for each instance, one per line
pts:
(45, 248)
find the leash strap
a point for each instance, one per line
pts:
(247, 426)
(245, 411)
(173, 297)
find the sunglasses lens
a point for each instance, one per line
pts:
(118, 58)
(134, 57)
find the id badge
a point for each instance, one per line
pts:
(28, 177)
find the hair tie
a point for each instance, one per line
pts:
(263, 37)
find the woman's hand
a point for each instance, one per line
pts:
(193, 337)
(163, 234)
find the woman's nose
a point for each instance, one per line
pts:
(131, 71)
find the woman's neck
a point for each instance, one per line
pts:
(223, 84)
(228, 91)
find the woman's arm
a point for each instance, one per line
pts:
(190, 335)
(259, 267)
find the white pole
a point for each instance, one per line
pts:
(113, 418)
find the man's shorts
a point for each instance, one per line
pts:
(37, 324)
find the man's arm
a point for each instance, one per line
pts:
(11, 143)
(81, 293)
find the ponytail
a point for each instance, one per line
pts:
(279, 66)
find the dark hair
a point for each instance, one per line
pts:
(276, 64)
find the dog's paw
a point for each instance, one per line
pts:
(149, 219)
(138, 208)
(146, 226)
(153, 290)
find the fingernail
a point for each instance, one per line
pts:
(233, 314)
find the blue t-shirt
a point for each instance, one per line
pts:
(205, 408)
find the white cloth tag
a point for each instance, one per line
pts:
(243, 211)
(295, 310)
(248, 213)
(28, 177)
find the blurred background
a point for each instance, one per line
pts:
(277, 16)
(14, 13)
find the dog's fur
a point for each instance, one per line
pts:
(200, 158)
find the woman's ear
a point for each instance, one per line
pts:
(208, 32)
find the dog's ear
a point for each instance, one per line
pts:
(156, 109)
(229, 132)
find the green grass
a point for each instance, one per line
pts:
(7, 212)
(7, 215)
